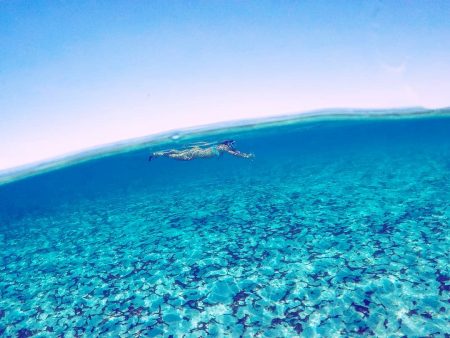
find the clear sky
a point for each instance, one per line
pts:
(74, 74)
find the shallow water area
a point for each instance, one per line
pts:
(336, 228)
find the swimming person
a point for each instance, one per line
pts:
(199, 152)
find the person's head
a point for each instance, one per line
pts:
(229, 143)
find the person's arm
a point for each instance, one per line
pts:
(239, 154)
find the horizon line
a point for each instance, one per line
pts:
(13, 174)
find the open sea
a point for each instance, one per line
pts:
(340, 226)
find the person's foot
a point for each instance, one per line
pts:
(150, 158)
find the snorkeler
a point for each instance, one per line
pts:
(199, 152)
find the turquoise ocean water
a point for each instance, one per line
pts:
(338, 227)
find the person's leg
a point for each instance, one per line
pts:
(181, 156)
(162, 153)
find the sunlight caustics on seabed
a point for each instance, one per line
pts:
(337, 227)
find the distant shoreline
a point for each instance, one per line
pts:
(160, 139)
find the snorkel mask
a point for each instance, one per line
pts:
(229, 143)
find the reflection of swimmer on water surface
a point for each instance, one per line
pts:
(199, 152)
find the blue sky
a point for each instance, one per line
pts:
(75, 74)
